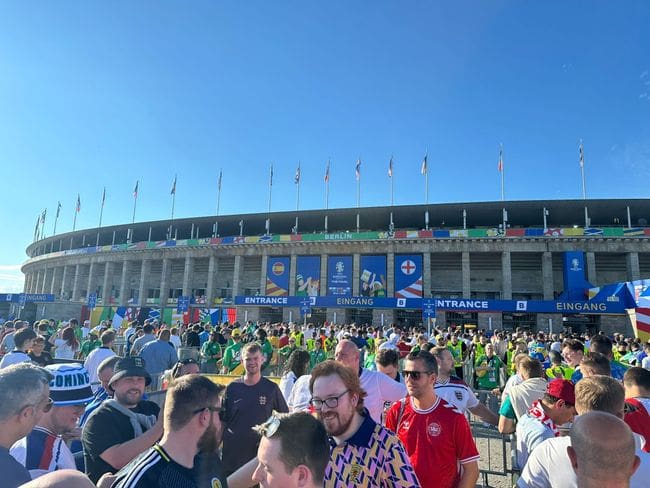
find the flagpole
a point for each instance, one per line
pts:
(358, 175)
(43, 222)
(503, 192)
(56, 217)
(426, 178)
(584, 184)
(76, 211)
(216, 222)
(391, 182)
(101, 210)
(268, 219)
(174, 197)
(298, 188)
(327, 186)
(135, 200)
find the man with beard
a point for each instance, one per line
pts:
(191, 427)
(44, 449)
(249, 401)
(363, 453)
(122, 427)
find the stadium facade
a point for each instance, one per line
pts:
(491, 265)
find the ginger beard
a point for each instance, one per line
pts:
(336, 420)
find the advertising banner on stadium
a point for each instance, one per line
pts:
(573, 267)
(339, 275)
(277, 276)
(372, 276)
(307, 276)
(408, 276)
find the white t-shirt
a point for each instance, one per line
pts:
(380, 389)
(549, 466)
(645, 362)
(63, 350)
(93, 361)
(300, 396)
(14, 357)
(286, 383)
(176, 341)
(458, 393)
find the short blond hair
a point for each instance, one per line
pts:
(600, 393)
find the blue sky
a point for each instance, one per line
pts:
(96, 94)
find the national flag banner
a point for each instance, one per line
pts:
(424, 168)
(78, 208)
(408, 276)
(500, 163)
(390, 168)
(38, 223)
(104, 196)
(582, 155)
(357, 169)
(173, 192)
(58, 210)
(327, 172)
(135, 190)
(296, 178)
(43, 215)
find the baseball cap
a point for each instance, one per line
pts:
(70, 384)
(130, 366)
(562, 389)
(236, 333)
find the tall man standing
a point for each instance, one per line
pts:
(434, 433)
(249, 401)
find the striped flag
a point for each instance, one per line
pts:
(327, 172)
(78, 208)
(357, 169)
(390, 167)
(43, 215)
(500, 163)
(104, 196)
(135, 190)
(296, 178)
(38, 223)
(173, 192)
(424, 168)
(582, 155)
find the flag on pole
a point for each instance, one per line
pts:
(135, 190)
(38, 223)
(357, 169)
(424, 168)
(43, 216)
(173, 192)
(296, 178)
(58, 210)
(271, 176)
(390, 167)
(219, 182)
(78, 208)
(327, 172)
(582, 155)
(104, 196)
(500, 163)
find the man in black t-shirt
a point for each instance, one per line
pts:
(121, 428)
(249, 401)
(192, 425)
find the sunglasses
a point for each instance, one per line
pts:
(416, 375)
(270, 427)
(187, 361)
(211, 409)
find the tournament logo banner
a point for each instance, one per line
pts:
(575, 285)
(408, 276)
(277, 276)
(307, 276)
(372, 276)
(339, 276)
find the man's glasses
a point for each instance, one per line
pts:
(416, 375)
(331, 402)
(211, 409)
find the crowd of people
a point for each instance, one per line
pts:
(333, 406)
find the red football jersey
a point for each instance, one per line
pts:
(437, 440)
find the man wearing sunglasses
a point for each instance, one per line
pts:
(433, 431)
(24, 396)
(44, 449)
(191, 426)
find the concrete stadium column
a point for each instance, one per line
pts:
(125, 273)
(26, 283)
(265, 263)
(506, 271)
(390, 274)
(235, 276)
(323, 275)
(466, 274)
(38, 281)
(187, 273)
(53, 283)
(591, 268)
(356, 263)
(210, 287)
(144, 274)
(292, 275)
(43, 281)
(63, 281)
(632, 264)
(108, 279)
(91, 272)
(75, 283)
(164, 281)
(547, 275)
(426, 275)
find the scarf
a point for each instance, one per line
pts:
(537, 412)
(139, 421)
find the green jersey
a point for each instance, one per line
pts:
(232, 357)
(489, 379)
(211, 352)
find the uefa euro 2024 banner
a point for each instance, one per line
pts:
(372, 276)
(408, 276)
(339, 276)
(277, 276)
(307, 276)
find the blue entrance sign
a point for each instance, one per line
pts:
(429, 308)
(26, 297)
(183, 304)
(305, 306)
(92, 300)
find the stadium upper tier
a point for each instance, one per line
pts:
(533, 219)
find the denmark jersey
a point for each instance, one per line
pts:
(438, 440)
(373, 457)
(457, 392)
(42, 452)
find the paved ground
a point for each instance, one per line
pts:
(495, 456)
